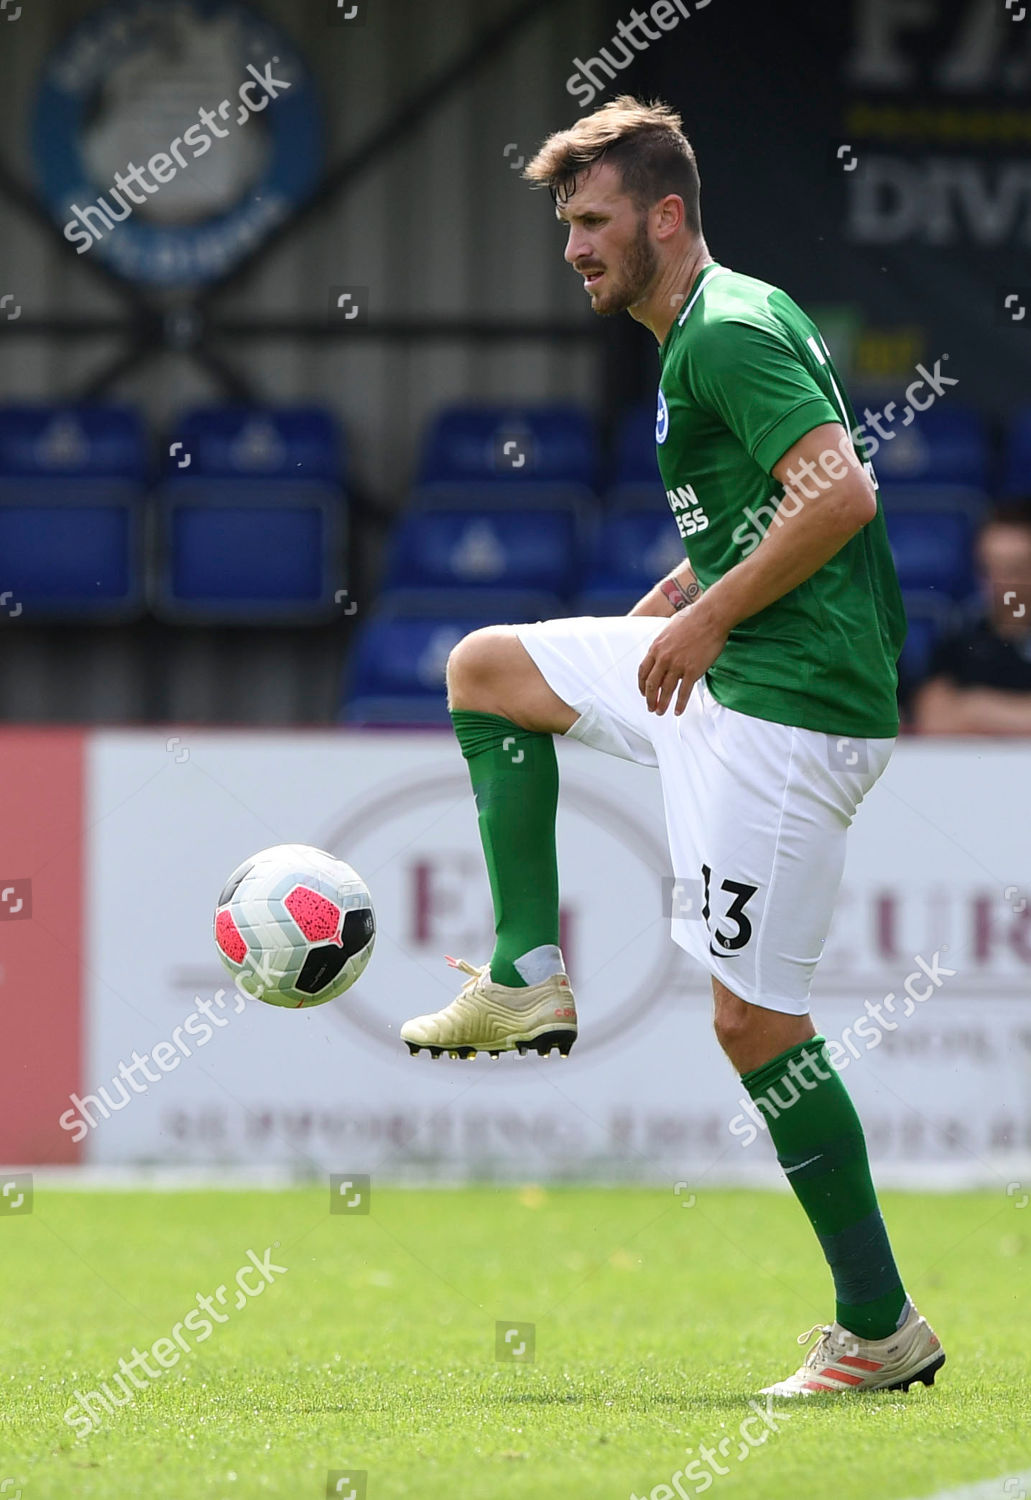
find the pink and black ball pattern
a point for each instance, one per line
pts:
(295, 926)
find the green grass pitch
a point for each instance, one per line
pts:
(655, 1322)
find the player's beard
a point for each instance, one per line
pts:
(637, 271)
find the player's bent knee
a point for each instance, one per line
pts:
(474, 670)
(733, 1021)
(751, 1035)
(490, 671)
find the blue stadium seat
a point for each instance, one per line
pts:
(1016, 470)
(251, 517)
(635, 461)
(934, 499)
(944, 448)
(536, 443)
(605, 602)
(75, 442)
(928, 616)
(239, 551)
(478, 550)
(506, 606)
(72, 512)
(512, 494)
(397, 670)
(290, 442)
(634, 549)
(641, 494)
(933, 550)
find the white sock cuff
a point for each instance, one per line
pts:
(540, 964)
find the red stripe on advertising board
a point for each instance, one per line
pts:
(41, 938)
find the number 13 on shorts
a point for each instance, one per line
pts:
(731, 931)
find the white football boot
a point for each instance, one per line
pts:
(839, 1361)
(496, 1018)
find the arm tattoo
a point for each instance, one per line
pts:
(680, 595)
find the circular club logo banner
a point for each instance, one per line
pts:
(170, 138)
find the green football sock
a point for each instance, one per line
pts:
(821, 1147)
(514, 774)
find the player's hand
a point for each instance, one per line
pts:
(678, 656)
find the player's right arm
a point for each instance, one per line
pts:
(675, 592)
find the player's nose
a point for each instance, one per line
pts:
(576, 248)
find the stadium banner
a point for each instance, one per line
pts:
(899, 176)
(934, 912)
(134, 95)
(41, 890)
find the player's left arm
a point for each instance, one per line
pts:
(808, 529)
(678, 590)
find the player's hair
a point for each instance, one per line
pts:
(1009, 513)
(644, 141)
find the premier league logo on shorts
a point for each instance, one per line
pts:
(662, 419)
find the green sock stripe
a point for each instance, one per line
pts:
(756, 1081)
(861, 1262)
(477, 732)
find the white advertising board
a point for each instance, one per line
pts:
(939, 864)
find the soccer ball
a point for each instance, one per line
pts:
(295, 926)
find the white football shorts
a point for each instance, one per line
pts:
(756, 812)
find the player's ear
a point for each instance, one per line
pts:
(668, 215)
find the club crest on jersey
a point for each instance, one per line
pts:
(662, 418)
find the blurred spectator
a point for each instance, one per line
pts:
(980, 674)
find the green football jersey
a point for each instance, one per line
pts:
(745, 375)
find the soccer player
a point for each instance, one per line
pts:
(759, 677)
